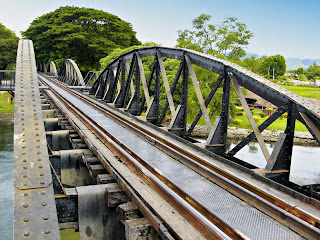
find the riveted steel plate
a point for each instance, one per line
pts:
(33, 192)
(96, 220)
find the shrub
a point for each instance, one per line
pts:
(239, 108)
(269, 108)
(238, 113)
(262, 114)
(256, 118)
(237, 121)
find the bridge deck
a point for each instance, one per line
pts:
(240, 214)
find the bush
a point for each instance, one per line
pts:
(256, 118)
(237, 121)
(269, 109)
(239, 108)
(238, 113)
(262, 114)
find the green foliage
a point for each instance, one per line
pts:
(8, 47)
(257, 118)
(262, 114)
(225, 40)
(83, 34)
(237, 121)
(273, 64)
(239, 108)
(6, 108)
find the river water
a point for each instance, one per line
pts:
(6, 178)
(305, 169)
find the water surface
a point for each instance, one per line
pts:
(6, 177)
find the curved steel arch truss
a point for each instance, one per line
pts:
(70, 73)
(123, 82)
(52, 70)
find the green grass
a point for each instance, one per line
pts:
(304, 91)
(6, 108)
(279, 124)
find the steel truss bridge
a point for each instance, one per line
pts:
(93, 154)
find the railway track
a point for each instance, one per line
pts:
(219, 202)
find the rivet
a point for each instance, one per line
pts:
(23, 146)
(39, 159)
(23, 134)
(36, 124)
(42, 182)
(26, 233)
(40, 166)
(25, 194)
(41, 174)
(24, 168)
(25, 184)
(44, 204)
(23, 140)
(26, 219)
(43, 192)
(45, 217)
(38, 140)
(25, 175)
(38, 152)
(23, 153)
(24, 160)
(25, 205)
(47, 231)
(38, 146)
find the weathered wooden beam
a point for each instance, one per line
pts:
(139, 229)
(127, 211)
(104, 179)
(115, 195)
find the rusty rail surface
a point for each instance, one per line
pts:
(206, 222)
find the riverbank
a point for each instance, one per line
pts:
(5, 107)
(234, 133)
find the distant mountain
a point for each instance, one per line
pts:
(292, 63)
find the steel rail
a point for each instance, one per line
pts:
(198, 220)
(260, 200)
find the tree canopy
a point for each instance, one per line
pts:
(83, 34)
(225, 40)
(8, 47)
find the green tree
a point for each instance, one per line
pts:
(8, 47)
(313, 71)
(83, 34)
(273, 65)
(225, 40)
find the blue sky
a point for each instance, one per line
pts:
(290, 28)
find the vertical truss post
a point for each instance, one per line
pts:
(217, 138)
(122, 96)
(133, 105)
(122, 85)
(103, 84)
(179, 121)
(109, 96)
(282, 159)
(153, 112)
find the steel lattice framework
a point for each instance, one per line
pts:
(123, 82)
(70, 73)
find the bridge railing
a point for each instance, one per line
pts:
(157, 81)
(7, 79)
(91, 78)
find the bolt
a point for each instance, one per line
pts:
(43, 192)
(26, 219)
(24, 160)
(44, 204)
(26, 233)
(47, 231)
(25, 205)
(45, 217)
